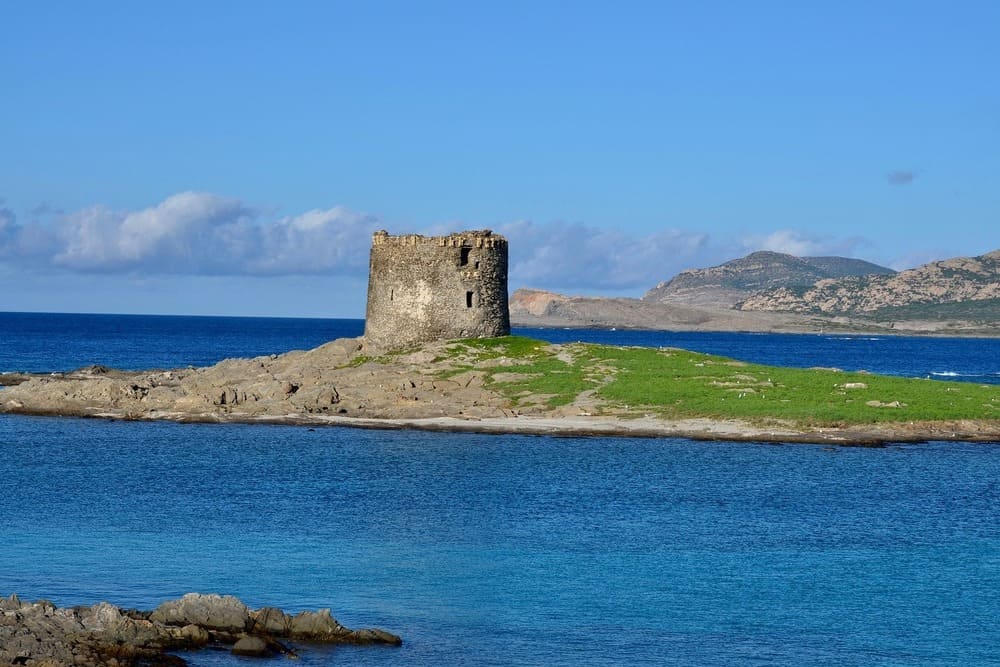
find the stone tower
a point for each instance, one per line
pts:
(426, 288)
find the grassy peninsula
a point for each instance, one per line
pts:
(520, 385)
(676, 384)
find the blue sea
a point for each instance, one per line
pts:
(512, 550)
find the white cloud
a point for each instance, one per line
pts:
(203, 234)
(563, 255)
(192, 233)
(798, 243)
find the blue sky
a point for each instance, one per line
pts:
(234, 157)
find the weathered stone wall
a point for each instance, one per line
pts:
(426, 288)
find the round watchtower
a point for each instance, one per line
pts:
(427, 288)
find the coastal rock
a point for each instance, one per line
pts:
(251, 646)
(329, 381)
(39, 634)
(271, 621)
(212, 612)
(375, 636)
(317, 626)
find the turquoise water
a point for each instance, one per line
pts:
(500, 550)
(522, 550)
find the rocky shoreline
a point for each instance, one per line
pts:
(41, 634)
(436, 387)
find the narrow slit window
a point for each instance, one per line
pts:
(463, 259)
(468, 299)
(391, 294)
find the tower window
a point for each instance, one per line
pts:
(468, 299)
(463, 258)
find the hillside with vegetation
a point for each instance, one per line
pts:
(966, 288)
(739, 279)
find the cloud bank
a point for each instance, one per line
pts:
(191, 233)
(203, 234)
(793, 242)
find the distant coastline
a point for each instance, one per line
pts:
(541, 309)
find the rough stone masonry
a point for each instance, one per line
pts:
(428, 288)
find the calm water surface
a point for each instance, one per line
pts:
(503, 550)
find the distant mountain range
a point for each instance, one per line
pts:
(735, 281)
(961, 287)
(769, 291)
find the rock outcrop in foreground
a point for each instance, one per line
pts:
(43, 635)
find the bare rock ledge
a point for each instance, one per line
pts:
(43, 635)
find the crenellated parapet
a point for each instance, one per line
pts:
(484, 238)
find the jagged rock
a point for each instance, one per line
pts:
(317, 626)
(39, 634)
(316, 384)
(13, 603)
(271, 621)
(212, 612)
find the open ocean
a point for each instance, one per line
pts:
(512, 550)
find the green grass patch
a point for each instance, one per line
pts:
(677, 384)
(532, 366)
(682, 384)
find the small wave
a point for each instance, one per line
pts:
(946, 374)
(852, 338)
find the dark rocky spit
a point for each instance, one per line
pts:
(41, 634)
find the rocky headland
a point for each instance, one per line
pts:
(775, 292)
(540, 308)
(447, 386)
(336, 380)
(40, 634)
